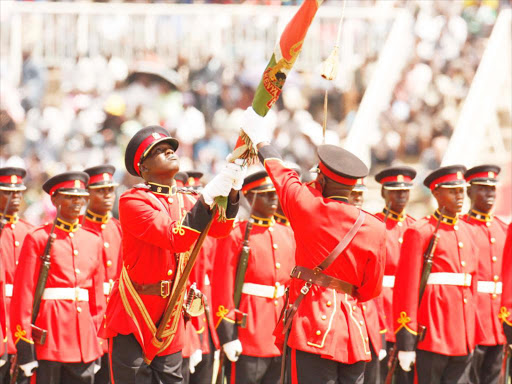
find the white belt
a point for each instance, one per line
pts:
(388, 281)
(268, 291)
(447, 278)
(489, 287)
(8, 290)
(75, 294)
(106, 288)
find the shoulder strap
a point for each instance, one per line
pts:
(343, 243)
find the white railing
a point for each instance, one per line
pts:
(392, 59)
(478, 133)
(56, 32)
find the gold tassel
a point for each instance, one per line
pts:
(330, 66)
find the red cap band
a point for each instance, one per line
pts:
(100, 177)
(143, 146)
(446, 179)
(331, 175)
(78, 184)
(396, 179)
(11, 179)
(483, 175)
(256, 184)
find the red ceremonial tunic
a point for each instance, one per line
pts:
(11, 242)
(374, 327)
(395, 230)
(156, 228)
(325, 323)
(202, 274)
(3, 314)
(72, 325)
(111, 236)
(270, 263)
(506, 297)
(448, 311)
(489, 238)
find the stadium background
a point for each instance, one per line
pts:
(421, 82)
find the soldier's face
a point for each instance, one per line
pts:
(14, 204)
(356, 198)
(451, 199)
(101, 200)
(70, 206)
(161, 161)
(396, 200)
(482, 197)
(265, 204)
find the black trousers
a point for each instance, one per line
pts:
(309, 368)
(128, 366)
(400, 377)
(55, 372)
(204, 370)
(486, 366)
(371, 369)
(103, 375)
(255, 370)
(434, 368)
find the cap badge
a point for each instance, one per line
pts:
(159, 189)
(400, 178)
(491, 175)
(459, 175)
(156, 135)
(14, 179)
(191, 181)
(77, 183)
(106, 176)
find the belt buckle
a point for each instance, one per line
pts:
(275, 292)
(467, 281)
(165, 288)
(77, 294)
(305, 289)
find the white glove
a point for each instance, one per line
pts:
(28, 369)
(221, 184)
(2, 362)
(382, 354)
(233, 349)
(255, 127)
(241, 171)
(406, 359)
(195, 359)
(97, 365)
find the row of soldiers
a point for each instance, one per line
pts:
(309, 289)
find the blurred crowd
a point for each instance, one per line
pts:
(85, 113)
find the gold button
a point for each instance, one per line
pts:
(110, 281)
(277, 284)
(318, 333)
(78, 309)
(329, 303)
(77, 271)
(276, 303)
(461, 244)
(354, 307)
(275, 246)
(278, 265)
(170, 200)
(71, 234)
(75, 252)
(16, 262)
(16, 243)
(493, 240)
(463, 263)
(364, 307)
(271, 229)
(169, 272)
(106, 244)
(496, 277)
(400, 240)
(324, 317)
(103, 226)
(361, 322)
(366, 339)
(465, 301)
(399, 224)
(488, 224)
(494, 259)
(13, 226)
(456, 227)
(109, 263)
(494, 295)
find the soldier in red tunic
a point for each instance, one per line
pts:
(160, 226)
(396, 185)
(447, 308)
(13, 234)
(328, 338)
(506, 299)
(98, 218)
(255, 358)
(72, 303)
(489, 236)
